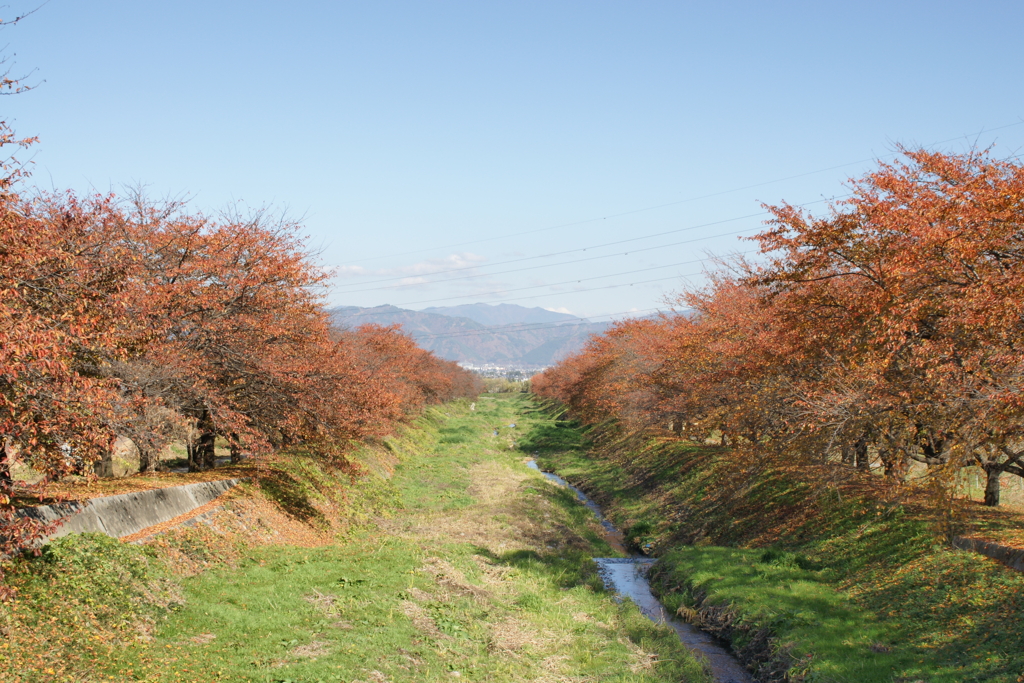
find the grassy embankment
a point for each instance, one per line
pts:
(841, 583)
(462, 565)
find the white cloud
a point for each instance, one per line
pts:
(347, 271)
(561, 309)
(418, 280)
(463, 263)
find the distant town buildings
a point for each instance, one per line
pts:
(513, 373)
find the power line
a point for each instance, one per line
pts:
(597, 289)
(593, 246)
(535, 327)
(681, 201)
(579, 249)
(582, 249)
(547, 265)
(552, 284)
(572, 291)
(567, 282)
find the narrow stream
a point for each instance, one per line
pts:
(627, 576)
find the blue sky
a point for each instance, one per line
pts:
(413, 137)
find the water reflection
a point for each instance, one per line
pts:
(627, 576)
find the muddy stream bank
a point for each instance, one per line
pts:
(627, 576)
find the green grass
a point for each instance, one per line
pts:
(81, 600)
(840, 588)
(466, 565)
(819, 628)
(339, 615)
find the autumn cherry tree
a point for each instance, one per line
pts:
(123, 318)
(915, 286)
(888, 331)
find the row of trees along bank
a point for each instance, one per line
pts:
(125, 317)
(887, 332)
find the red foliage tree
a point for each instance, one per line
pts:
(892, 326)
(144, 321)
(915, 286)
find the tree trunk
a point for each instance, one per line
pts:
(207, 454)
(895, 465)
(6, 481)
(677, 425)
(148, 457)
(236, 452)
(860, 450)
(992, 486)
(201, 454)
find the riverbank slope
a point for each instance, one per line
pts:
(448, 560)
(854, 585)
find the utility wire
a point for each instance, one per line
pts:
(507, 329)
(583, 289)
(547, 265)
(617, 242)
(410, 303)
(571, 291)
(555, 284)
(597, 289)
(681, 201)
(582, 249)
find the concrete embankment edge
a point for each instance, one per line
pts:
(128, 513)
(1011, 557)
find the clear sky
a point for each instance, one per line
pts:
(411, 137)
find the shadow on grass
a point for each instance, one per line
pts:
(969, 605)
(561, 435)
(567, 568)
(459, 434)
(292, 497)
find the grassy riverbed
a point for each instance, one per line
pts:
(845, 587)
(464, 565)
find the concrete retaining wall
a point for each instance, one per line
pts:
(1011, 557)
(128, 513)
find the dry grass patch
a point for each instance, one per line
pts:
(325, 602)
(422, 620)
(506, 516)
(641, 660)
(313, 649)
(448, 577)
(512, 634)
(493, 482)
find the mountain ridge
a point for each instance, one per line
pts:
(503, 314)
(463, 339)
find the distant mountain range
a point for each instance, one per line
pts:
(504, 314)
(483, 334)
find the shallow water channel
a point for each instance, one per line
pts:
(627, 576)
